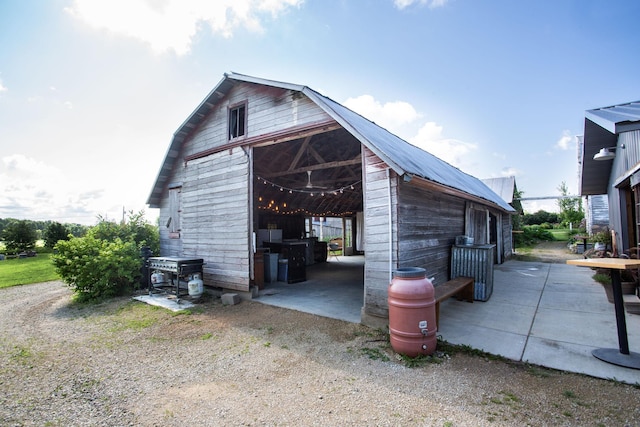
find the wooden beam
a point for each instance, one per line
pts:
(289, 134)
(300, 152)
(328, 165)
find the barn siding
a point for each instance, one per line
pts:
(376, 234)
(425, 223)
(507, 236)
(430, 222)
(215, 218)
(215, 212)
(268, 110)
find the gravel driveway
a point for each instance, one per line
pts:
(125, 363)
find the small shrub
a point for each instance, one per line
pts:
(97, 268)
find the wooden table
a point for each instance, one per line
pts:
(621, 356)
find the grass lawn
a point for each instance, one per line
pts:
(23, 271)
(560, 234)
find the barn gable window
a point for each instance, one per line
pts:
(237, 121)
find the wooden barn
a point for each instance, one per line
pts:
(260, 158)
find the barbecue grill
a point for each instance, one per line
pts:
(174, 271)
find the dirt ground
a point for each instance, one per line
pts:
(126, 363)
(552, 252)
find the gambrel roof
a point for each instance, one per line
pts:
(405, 159)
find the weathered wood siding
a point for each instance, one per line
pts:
(378, 237)
(268, 110)
(215, 217)
(170, 246)
(424, 225)
(215, 198)
(429, 224)
(507, 236)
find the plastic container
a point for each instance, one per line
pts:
(412, 312)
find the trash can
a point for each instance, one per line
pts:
(271, 267)
(412, 312)
(283, 270)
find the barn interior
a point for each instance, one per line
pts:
(295, 181)
(318, 175)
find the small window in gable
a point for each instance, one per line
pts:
(237, 121)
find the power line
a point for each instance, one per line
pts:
(547, 198)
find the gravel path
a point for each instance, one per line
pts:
(125, 363)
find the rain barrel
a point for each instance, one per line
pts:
(412, 312)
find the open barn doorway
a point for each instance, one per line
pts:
(296, 182)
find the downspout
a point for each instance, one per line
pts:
(390, 226)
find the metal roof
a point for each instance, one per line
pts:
(601, 129)
(402, 157)
(503, 187)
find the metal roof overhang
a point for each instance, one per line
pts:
(595, 174)
(601, 129)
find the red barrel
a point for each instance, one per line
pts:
(412, 312)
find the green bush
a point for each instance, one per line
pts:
(97, 268)
(531, 235)
(107, 261)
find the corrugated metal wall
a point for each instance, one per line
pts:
(625, 161)
(474, 261)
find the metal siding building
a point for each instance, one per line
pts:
(616, 128)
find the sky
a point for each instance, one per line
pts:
(91, 91)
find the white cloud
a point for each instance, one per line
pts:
(430, 138)
(402, 4)
(31, 189)
(402, 119)
(393, 116)
(3, 88)
(510, 171)
(172, 24)
(566, 141)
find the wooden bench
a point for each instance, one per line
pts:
(462, 287)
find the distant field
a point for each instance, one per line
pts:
(23, 271)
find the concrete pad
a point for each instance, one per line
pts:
(165, 301)
(516, 296)
(575, 327)
(565, 299)
(509, 318)
(492, 341)
(575, 358)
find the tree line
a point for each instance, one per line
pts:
(20, 235)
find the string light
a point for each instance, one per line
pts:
(308, 191)
(305, 211)
(282, 209)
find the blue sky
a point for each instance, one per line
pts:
(92, 91)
